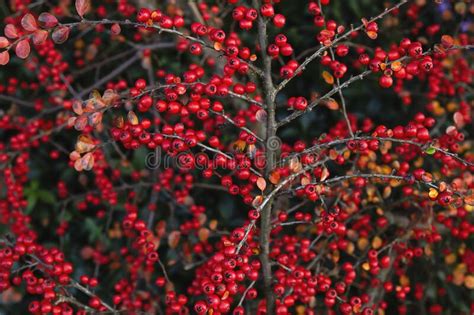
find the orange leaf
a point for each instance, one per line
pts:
(274, 177)
(447, 41)
(239, 145)
(328, 78)
(372, 34)
(332, 104)
(217, 46)
(261, 183)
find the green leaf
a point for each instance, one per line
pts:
(430, 150)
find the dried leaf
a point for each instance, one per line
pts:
(82, 7)
(84, 144)
(87, 161)
(22, 49)
(305, 181)
(95, 118)
(47, 20)
(77, 107)
(78, 165)
(4, 58)
(109, 97)
(60, 34)
(427, 177)
(261, 115)
(469, 199)
(387, 191)
(458, 120)
(132, 118)
(295, 164)
(324, 174)
(257, 201)
(40, 37)
(203, 234)
(11, 31)
(118, 122)
(451, 131)
(261, 183)
(74, 155)
(4, 42)
(28, 22)
(173, 239)
(328, 78)
(80, 123)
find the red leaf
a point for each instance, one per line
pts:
(47, 20)
(4, 42)
(82, 6)
(39, 37)
(22, 49)
(115, 29)
(4, 58)
(28, 22)
(11, 31)
(60, 34)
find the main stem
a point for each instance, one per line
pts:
(270, 155)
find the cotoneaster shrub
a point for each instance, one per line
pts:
(237, 157)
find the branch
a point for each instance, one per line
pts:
(323, 49)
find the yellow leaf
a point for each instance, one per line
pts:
(396, 66)
(132, 118)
